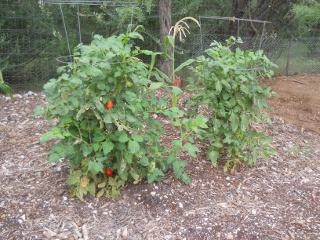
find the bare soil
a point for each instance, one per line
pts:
(275, 199)
(298, 100)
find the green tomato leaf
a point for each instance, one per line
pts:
(107, 118)
(185, 178)
(234, 122)
(131, 118)
(178, 167)
(244, 89)
(96, 146)
(144, 161)
(213, 156)
(39, 111)
(53, 157)
(134, 173)
(99, 137)
(218, 144)
(81, 191)
(177, 142)
(101, 85)
(115, 192)
(74, 177)
(155, 175)
(99, 105)
(120, 146)
(218, 86)
(171, 158)
(192, 149)
(100, 193)
(86, 149)
(107, 147)
(54, 133)
(137, 138)
(133, 146)
(95, 167)
(123, 137)
(75, 80)
(93, 71)
(66, 119)
(226, 84)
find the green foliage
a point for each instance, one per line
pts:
(228, 86)
(3, 85)
(306, 13)
(179, 29)
(124, 138)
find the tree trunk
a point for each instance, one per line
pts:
(165, 22)
(238, 10)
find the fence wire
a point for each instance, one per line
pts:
(29, 48)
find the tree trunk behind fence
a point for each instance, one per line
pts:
(165, 22)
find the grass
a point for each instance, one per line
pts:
(299, 59)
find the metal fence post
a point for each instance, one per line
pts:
(288, 57)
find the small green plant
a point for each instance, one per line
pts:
(227, 84)
(3, 85)
(178, 30)
(105, 102)
(299, 150)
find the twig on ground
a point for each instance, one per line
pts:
(314, 198)
(297, 81)
(240, 184)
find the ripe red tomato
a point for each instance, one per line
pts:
(177, 82)
(108, 172)
(109, 105)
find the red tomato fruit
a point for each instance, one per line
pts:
(109, 105)
(108, 172)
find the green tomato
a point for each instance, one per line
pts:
(129, 84)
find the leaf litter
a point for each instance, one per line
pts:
(275, 199)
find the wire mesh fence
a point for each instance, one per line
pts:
(27, 49)
(293, 55)
(32, 38)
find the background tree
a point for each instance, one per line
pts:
(264, 10)
(32, 33)
(165, 23)
(306, 13)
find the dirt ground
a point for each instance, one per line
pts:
(275, 199)
(298, 100)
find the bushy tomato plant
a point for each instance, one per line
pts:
(228, 85)
(104, 102)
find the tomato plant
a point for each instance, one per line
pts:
(228, 85)
(126, 137)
